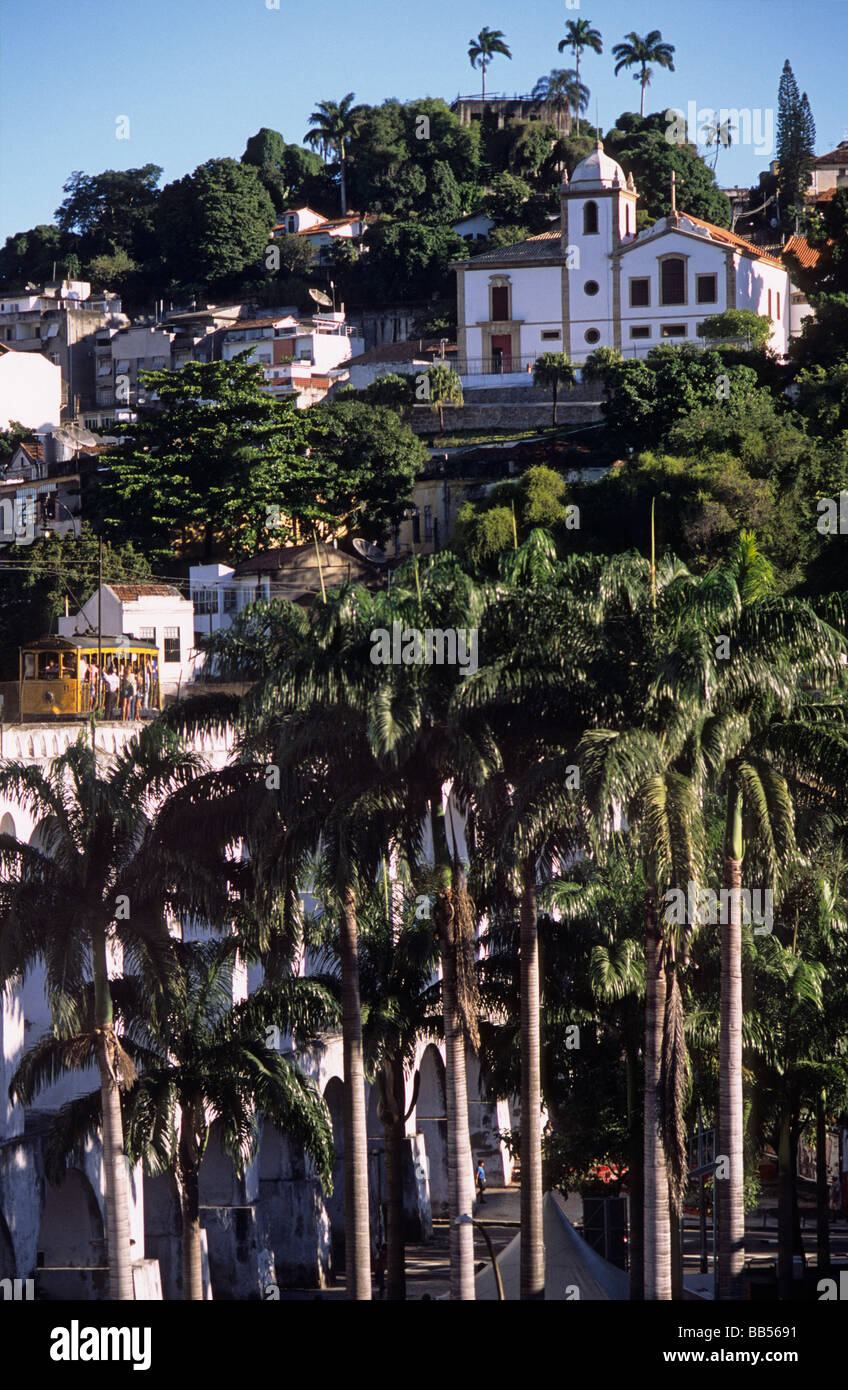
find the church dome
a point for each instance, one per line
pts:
(598, 170)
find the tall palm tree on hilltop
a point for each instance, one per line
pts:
(332, 124)
(642, 51)
(563, 90)
(580, 35)
(484, 48)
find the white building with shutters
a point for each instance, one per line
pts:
(594, 282)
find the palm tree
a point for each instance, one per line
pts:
(445, 387)
(398, 956)
(719, 133)
(551, 370)
(332, 124)
(757, 734)
(481, 51)
(204, 1059)
(580, 35)
(106, 878)
(642, 51)
(563, 90)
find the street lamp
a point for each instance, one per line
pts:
(45, 530)
(466, 1220)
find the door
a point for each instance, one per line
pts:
(501, 352)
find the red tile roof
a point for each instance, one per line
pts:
(129, 593)
(807, 255)
(837, 156)
(731, 239)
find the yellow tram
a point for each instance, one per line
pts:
(59, 677)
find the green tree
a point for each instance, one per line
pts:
(212, 470)
(488, 44)
(201, 1060)
(112, 211)
(105, 875)
(738, 325)
(331, 126)
(580, 35)
(213, 225)
(636, 51)
(562, 91)
(641, 147)
(31, 257)
(551, 370)
(363, 463)
(445, 386)
(796, 139)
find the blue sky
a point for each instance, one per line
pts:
(197, 77)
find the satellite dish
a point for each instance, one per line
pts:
(321, 298)
(71, 432)
(370, 552)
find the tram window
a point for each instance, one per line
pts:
(48, 666)
(69, 665)
(29, 666)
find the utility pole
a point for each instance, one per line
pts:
(99, 622)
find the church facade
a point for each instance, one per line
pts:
(594, 282)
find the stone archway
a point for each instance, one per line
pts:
(71, 1242)
(431, 1121)
(334, 1096)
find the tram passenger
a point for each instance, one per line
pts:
(112, 683)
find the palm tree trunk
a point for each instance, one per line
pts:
(192, 1262)
(822, 1211)
(577, 108)
(636, 1185)
(657, 1227)
(483, 66)
(460, 1166)
(731, 1261)
(343, 181)
(532, 1241)
(115, 1166)
(642, 105)
(784, 1206)
(357, 1227)
(395, 1263)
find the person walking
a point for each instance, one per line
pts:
(481, 1182)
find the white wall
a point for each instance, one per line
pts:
(30, 390)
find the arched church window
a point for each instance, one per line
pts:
(590, 219)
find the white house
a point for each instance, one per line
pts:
(594, 282)
(298, 357)
(30, 390)
(157, 612)
(318, 230)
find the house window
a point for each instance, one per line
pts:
(640, 330)
(428, 523)
(205, 601)
(591, 287)
(172, 644)
(147, 634)
(769, 303)
(673, 280)
(778, 303)
(706, 289)
(592, 335)
(640, 293)
(230, 597)
(500, 302)
(590, 219)
(673, 330)
(416, 528)
(396, 537)
(550, 335)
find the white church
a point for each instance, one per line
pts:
(594, 282)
